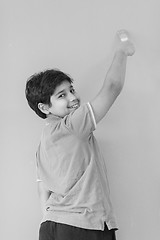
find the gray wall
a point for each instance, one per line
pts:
(78, 37)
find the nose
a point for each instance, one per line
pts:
(72, 97)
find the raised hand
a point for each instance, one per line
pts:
(124, 43)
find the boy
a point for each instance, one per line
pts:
(73, 184)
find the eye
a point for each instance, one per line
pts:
(61, 96)
(72, 90)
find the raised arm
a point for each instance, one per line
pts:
(115, 77)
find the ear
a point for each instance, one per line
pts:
(43, 108)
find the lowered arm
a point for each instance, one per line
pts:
(44, 195)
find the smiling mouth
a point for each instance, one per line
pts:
(75, 106)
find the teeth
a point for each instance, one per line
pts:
(74, 106)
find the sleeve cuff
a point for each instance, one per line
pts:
(38, 180)
(92, 114)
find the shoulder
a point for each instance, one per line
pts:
(80, 122)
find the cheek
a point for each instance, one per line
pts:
(62, 103)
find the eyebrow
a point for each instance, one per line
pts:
(62, 91)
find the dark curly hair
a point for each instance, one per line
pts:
(41, 86)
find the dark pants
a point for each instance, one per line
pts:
(57, 231)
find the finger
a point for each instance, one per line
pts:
(123, 35)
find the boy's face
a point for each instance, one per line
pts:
(64, 100)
